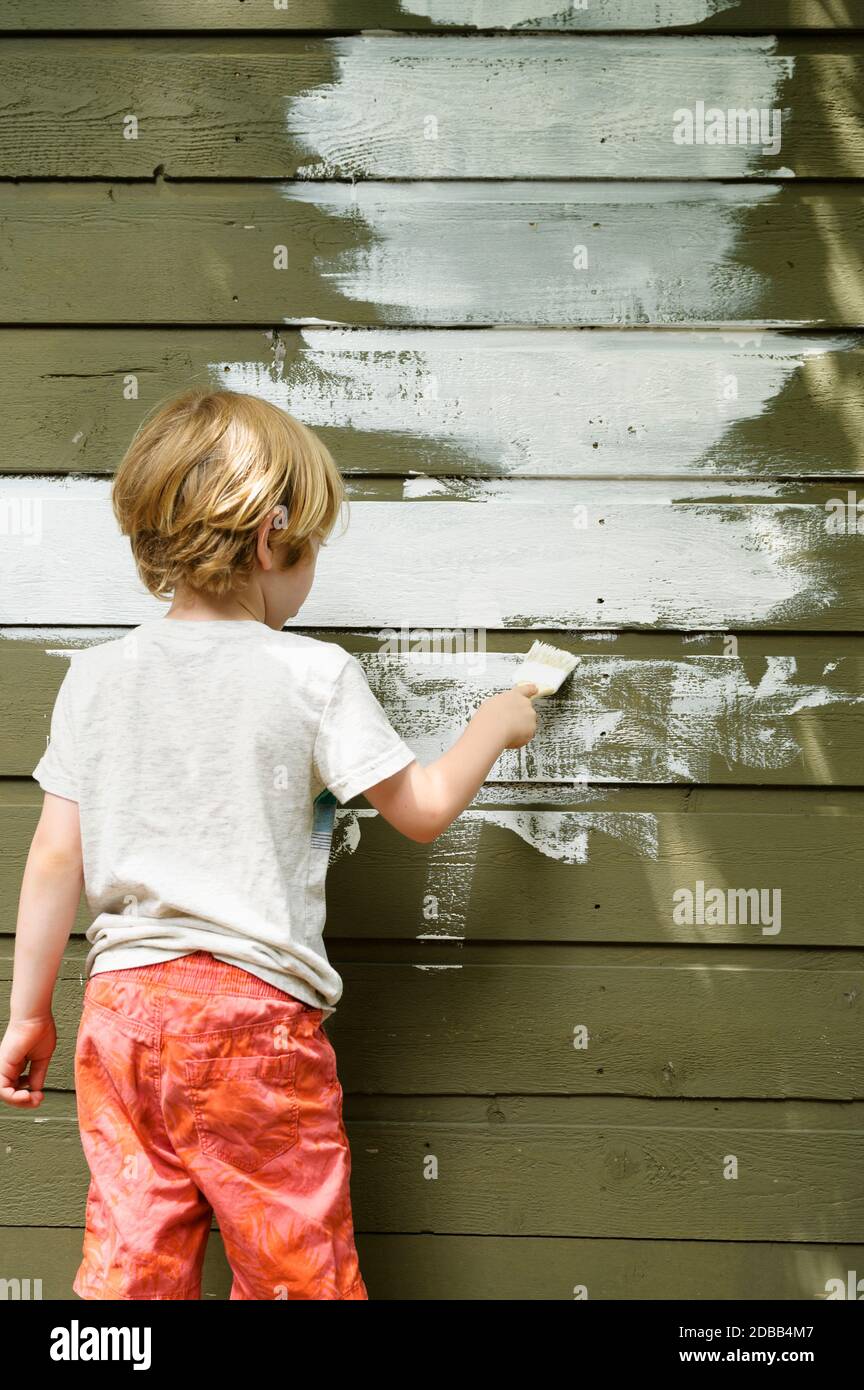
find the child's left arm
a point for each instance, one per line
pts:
(50, 892)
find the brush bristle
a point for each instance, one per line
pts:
(545, 666)
(551, 656)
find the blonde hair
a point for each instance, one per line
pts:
(202, 474)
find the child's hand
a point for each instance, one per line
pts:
(517, 714)
(33, 1040)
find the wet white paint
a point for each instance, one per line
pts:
(565, 835)
(474, 563)
(512, 14)
(617, 720)
(623, 719)
(561, 835)
(603, 492)
(547, 794)
(543, 107)
(719, 713)
(475, 253)
(42, 636)
(534, 403)
(346, 833)
(671, 719)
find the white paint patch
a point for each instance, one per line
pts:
(716, 712)
(564, 835)
(77, 637)
(623, 719)
(513, 14)
(346, 833)
(557, 834)
(548, 794)
(603, 492)
(474, 563)
(672, 719)
(534, 403)
(545, 107)
(439, 253)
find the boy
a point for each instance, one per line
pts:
(189, 788)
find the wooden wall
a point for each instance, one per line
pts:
(589, 384)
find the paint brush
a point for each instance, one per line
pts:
(545, 666)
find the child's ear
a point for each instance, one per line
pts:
(264, 549)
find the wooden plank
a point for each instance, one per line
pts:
(782, 720)
(527, 1268)
(468, 402)
(611, 866)
(659, 645)
(596, 874)
(461, 254)
(439, 554)
(729, 16)
(541, 1166)
(565, 106)
(677, 1021)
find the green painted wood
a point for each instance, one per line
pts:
(687, 1022)
(786, 720)
(41, 1262)
(527, 1268)
(461, 403)
(459, 254)
(540, 1166)
(605, 870)
(722, 15)
(407, 107)
(484, 882)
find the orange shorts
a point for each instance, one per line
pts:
(202, 1089)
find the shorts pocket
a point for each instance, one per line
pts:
(246, 1108)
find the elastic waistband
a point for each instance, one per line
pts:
(200, 973)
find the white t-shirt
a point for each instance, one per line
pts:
(205, 758)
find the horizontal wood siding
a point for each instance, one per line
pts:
(614, 554)
(434, 254)
(463, 403)
(388, 107)
(733, 16)
(442, 1267)
(587, 383)
(620, 719)
(646, 1171)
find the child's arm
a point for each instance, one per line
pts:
(421, 802)
(50, 892)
